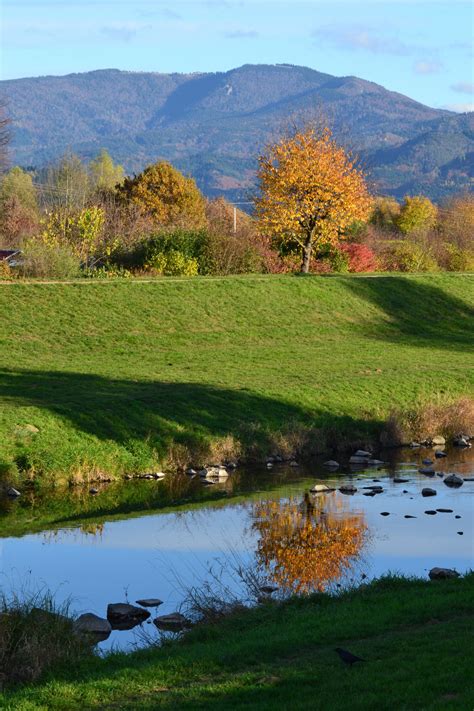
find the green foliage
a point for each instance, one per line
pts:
(458, 259)
(406, 256)
(331, 259)
(104, 173)
(173, 263)
(48, 261)
(18, 184)
(79, 232)
(417, 215)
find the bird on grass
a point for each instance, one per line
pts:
(348, 657)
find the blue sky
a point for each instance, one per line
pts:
(422, 49)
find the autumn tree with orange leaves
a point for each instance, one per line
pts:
(304, 547)
(310, 191)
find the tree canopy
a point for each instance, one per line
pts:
(168, 196)
(310, 190)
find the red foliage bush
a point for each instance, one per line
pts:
(361, 257)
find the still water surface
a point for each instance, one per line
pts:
(160, 554)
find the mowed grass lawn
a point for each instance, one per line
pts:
(415, 636)
(115, 374)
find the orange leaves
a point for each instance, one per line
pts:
(310, 189)
(304, 547)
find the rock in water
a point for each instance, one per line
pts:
(320, 488)
(123, 616)
(347, 489)
(428, 492)
(453, 480)
(174, 622)
(440, 455)
(149, 602)
(427, 471)
(331, 464)
(442, 573)
(94, 626)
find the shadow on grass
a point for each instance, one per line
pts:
(162, 414)
(418, 313)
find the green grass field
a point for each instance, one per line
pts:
(415, 636)
(117, 375)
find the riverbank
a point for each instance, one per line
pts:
(415, 635)
(128, 377)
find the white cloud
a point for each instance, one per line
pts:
(427, 66)
(460, 108)
(463, 87)
(361, 39)
(123, 32)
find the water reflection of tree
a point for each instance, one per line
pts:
(306, 546)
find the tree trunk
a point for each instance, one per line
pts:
(307, 249)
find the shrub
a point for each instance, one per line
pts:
(330, 259)
(44, 261)
(173, 263)
(361, 258)
(406, 256)
(36, 635)
(417, 215)
(457, 259)
(5, 271)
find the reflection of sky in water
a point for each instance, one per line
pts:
(155, 555)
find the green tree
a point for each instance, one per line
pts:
(18, 184)
(104, 173)
(165, 194)
(417, 215)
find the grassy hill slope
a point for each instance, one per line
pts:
(119, 376)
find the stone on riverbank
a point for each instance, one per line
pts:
(123, 616)
(442, 573)
(94, 626)
(320, 488)
(174, 622)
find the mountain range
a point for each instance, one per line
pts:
(213, 125)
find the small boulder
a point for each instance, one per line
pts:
(460, 533)
(400, 480)
(174, 622)
(444, 510)
(461, 441)
(442, 573)
(427, 471)
(356, 459)
(293, 463)
(191, 472)
(453, 480)
(428, 492)
(430, 512)
(159, 475)
(409, 516)
(93, 491)
(440, 455)
(415, 445)
(428, 462)
(375, 462)
(362, 453)
(347, 489)
(331, 464)
(438, 440)
(95, 627)
(149, 602)
(385, 513)
(320, 488)
(123, 616)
